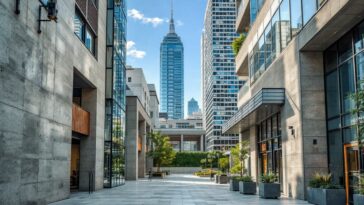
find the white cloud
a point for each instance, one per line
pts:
(137, 15)
(133, 52)
(179, 23)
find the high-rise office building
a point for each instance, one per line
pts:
(192, 107)
(171, 74)
(220, 83)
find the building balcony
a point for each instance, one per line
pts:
(80, 120)
(243, 15)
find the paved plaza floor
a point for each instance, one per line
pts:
(174, 190)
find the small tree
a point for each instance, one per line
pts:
(162, 152)
(239, 154)
(224, 164)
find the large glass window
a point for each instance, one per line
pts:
(269, 144)
(332, 95)
(345, 48)
(285, 23)
(309, 8)
(296, 12)
(347, 86)
(359, 60)
(79, 25)
(336, 157)
(359, 38)
(83, 31)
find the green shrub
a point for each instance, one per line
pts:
(224, 164)
(323, 181)
(269, 178)
(206, 173)
(245, 178)
(237, 43)
(360, 188)
(191, 159)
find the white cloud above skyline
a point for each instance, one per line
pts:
(155, 21)
(132, 51)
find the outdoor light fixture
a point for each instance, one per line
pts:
(292, 129)
(51, 8)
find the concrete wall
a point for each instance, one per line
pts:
(36, 79)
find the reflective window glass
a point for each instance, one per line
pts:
(332, 95)
(359, 38)
(345, 48)
(309, 9)
(285, 23)
(347, 86)
(359, 60)
(89, 40)
(336, 156)
(296, 12)
(268, 45)
(275, 32)
(79, 26)
(331, 58)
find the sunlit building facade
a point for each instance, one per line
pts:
(172, 74)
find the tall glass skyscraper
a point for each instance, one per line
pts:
(220, 85)
(114, 157)
(171, 74)
(192, 106)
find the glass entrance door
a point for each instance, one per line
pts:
(351, 157)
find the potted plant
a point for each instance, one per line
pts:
(321, 191)
(268, 188)
(224, 165)
(359, 196)
(238, 154)
(247, 186)
(162, 152)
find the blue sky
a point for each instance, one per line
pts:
(148, 24)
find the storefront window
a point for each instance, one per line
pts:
(347, 86)
(332, 95)
(269, 143)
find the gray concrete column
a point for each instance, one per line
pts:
(131, 141)
(182, 147)
(149, 163)
(142, 153)
(201, 143)
(254, 168)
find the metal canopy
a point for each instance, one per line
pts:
(265, 102)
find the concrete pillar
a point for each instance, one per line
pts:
(254, 168)
(131, 141)
(149, 163)
(201, 143)
(182, 147)
(142, 154)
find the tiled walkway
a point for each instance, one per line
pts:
(174, 190)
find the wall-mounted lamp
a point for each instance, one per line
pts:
(51, 8)
(292, 130)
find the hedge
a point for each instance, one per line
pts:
(189, 159)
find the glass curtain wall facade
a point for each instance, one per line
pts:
(114, 158)
(344, 75)
(192, 106)
(172, 74)
(220, 83)
(285, 23)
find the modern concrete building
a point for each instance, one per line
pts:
(220, 84)
(303, 60)
(172, 74)
(52, 99)
(141, 104)
(192, 106)
(185, 135)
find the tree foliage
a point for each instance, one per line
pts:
(239, 154)
(224, 164)
(162, 152)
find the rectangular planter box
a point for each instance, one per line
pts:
(216, 178)
(326, 196)
(234, 185)
(358, 199)
(248, 187)
(223, 179)
(269, 190)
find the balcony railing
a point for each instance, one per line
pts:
(80, 120)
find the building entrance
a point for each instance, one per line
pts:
(75, 165)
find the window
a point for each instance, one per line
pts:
(345, 49)
(296, 13)
(129, 79)
(335, 156)
(285, 23)
(84, 32)
(347, 86)
(359, 38)
(309, 9)
(332, 95)
(360, 70)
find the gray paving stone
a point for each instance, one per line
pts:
(174, 190)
